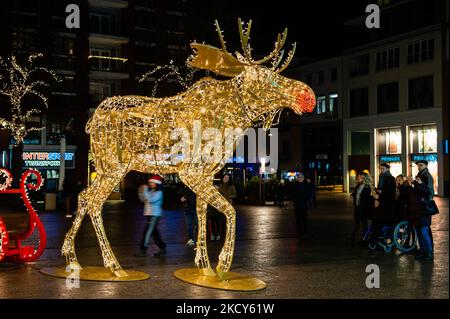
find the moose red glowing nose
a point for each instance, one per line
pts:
(306, 101)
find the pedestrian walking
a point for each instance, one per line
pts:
(152, 196)
(422, 166)
(312, 201)
(281, 193)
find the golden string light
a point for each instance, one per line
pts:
(137, 133)
(17, 82)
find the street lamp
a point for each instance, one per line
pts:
(261, 173)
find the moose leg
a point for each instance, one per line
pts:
(201, 257)
(105, 186)
(68, 248)
(206, 192)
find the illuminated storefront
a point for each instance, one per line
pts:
(389, 149)
(423, 144)
(48, 163)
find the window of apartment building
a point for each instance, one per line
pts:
(24, 41)
(359, 102)
(419, 51)
(420, 92)
(387, 97)
(332, 104)
(333, 74)
(358, 66)
(320, 77)
(101, 23)
(99, 91)
(387, 59)
(321, 105)
(63, 45)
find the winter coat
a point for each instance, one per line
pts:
(387, 196)
(402, 201)
(430, 185)
(228, 191)
(153, 200)
(301, 195)
(418, 198)
(364, 209)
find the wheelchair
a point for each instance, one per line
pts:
(402, 236)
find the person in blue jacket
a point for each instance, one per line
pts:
(153, 200)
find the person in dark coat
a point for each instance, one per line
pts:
(385, 214)
(189, 201)
(418, 198)
(363, 203)
(301, 197)
(422, 165)
(281, 192)
(402, 198)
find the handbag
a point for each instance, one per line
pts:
(431, 208)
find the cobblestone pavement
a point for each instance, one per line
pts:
(322, 266)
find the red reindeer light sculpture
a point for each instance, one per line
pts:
(12, 245)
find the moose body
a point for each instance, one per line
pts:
(137, 130)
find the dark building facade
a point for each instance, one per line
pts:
(117, 42)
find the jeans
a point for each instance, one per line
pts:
(425, 240)
(151, 230)
(191, 222)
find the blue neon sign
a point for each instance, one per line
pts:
(390, 159)
(424, 157)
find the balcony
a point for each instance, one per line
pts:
(107, 68)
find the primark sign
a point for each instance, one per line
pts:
(47, 159)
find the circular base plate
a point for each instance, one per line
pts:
(232, 280)
(94, 274)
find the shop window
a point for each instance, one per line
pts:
(387, 98)
(101, 23)
(389, 141)
(420, 92)
(387, 59)
(423, 139)
(359, 102)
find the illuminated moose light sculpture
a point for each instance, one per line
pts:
(135, 133)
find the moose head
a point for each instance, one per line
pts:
(254, 76)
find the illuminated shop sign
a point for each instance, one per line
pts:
(424, 157)
(47, 159)
(390, 159)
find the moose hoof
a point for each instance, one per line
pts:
(120, 273)
(221, 274)
(74, 266)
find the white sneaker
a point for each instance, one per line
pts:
(218, 237)
(190, 242)
(68, 216)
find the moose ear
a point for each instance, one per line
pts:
(216, 60)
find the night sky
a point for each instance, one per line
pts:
(316, 26)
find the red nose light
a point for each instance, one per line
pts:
(306, 101)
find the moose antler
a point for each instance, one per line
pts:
(224, 63)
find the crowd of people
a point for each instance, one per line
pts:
(395, 199)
